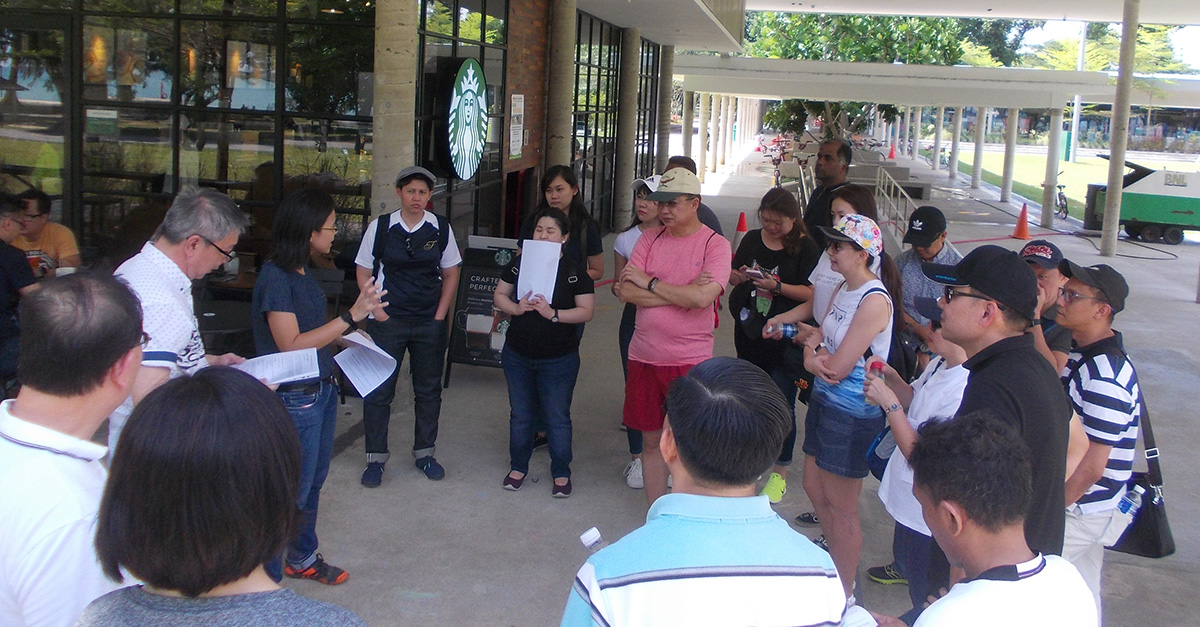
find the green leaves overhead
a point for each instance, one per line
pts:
(854, 38)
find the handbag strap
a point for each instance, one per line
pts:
(1153, 468)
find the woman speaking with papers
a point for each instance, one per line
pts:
(289, 313)
(547, 294)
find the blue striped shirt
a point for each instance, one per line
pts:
(1103, 388)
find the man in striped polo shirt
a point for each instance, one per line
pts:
(713, 552)
(1103, 388)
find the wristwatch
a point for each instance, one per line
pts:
(778, 289)
(891, 408)
(349, 320)
(554, 318)
(650, 285)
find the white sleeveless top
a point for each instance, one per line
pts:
(845, 304)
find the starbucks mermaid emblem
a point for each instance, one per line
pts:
(468, 119)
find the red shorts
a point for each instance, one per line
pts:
(645, 393)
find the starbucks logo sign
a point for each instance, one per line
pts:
(468, 120)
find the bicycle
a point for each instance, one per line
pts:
(1060, 202)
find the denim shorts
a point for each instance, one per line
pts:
(839, 439)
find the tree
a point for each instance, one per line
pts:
(1002, 39)
(977, 55)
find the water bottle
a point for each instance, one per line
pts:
(874, 370)
(592, 541)
(1132, 500)
(789, 330)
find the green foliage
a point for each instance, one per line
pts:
(854, 38)
(1000, 38)
(977, 55)
(788, 116)
(1154, 54)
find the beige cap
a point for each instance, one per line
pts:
(676, 182)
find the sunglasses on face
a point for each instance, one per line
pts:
(951, 293)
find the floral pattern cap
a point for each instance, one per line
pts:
(859, 230)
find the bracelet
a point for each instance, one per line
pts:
(651, 284)
(348, 318)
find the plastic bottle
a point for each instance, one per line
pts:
(592, 541)
(789, 330)
(1132, 501)
(874, 370)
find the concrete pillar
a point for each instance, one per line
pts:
(981, 116)
(688, 110)
(714, 132)
(731, 129)
(560, 93)
(627, 114)
(914, 132)
(1010, 152)
(666, 86)
(956, 130)
(1119, 130)
(702, 139)
(722, 129)
(395, 110)
(1049, 187)
(1075, 111)
(938, 122)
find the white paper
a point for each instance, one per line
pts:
(364, 363)
(539, 268)
(856, 616)
(284, 367)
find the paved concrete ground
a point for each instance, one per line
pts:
(465, 552)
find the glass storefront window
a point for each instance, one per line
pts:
(129, 6)
(252, 8)
(228, 65)
(496, 32)
(438, 18)
(335, 156)
(128, 60)
(350, 11)
(330, 69)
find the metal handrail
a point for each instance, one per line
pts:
(894, 204)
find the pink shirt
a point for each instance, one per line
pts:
(670, 335)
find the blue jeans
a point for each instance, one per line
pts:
(315, 417)
(924, 565)
(781, 378)
(540, 390)
(425, 341)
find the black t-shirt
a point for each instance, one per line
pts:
(793, 270)
(536, 337)
(572, 249)
(15, 274)
(819, 213)
(1014, 382)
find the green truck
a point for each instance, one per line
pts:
(1155, 204)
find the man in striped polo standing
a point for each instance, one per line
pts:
(1103, 387)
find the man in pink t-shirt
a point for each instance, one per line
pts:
(674, 276)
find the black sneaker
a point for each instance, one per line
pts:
(433, 470)
(319, 571)
(373, 475)
(540, 440)
(808, 519)
(886, 575)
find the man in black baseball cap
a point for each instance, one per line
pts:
(1051, 340)
(990, 299)
(927, 235)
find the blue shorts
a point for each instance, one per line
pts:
(838, 439)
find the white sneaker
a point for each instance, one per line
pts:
(633, 474)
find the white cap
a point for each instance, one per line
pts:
(650, 181)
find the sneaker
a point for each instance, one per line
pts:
(373, 475)
(886, 575)
(821, 542)
(561, 491)
(775, 489)
(808, 519)
(319, 571)
(512, 485)
(633, 474)
(540, 440)
(433, 470)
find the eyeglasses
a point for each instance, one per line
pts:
(837, 246)
(228, 255)
(31, 218)
(144, 341)
(1069, 296)
(329, 228)
(950, 293)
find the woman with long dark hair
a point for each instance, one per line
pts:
(645, 216)
(769, 277)
(541, 357)
(289, 313)
(840, 424)
(560, 190)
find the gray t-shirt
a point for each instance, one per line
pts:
(134, 606)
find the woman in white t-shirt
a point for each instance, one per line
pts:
(840, 424)
(645, 217)
(935, 395)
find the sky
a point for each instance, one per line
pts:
(1186, 39)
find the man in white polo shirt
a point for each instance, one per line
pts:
(196, 236)
(81, 340)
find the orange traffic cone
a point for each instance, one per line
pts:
(741, 231)
(1022, 230)
(892, 152)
